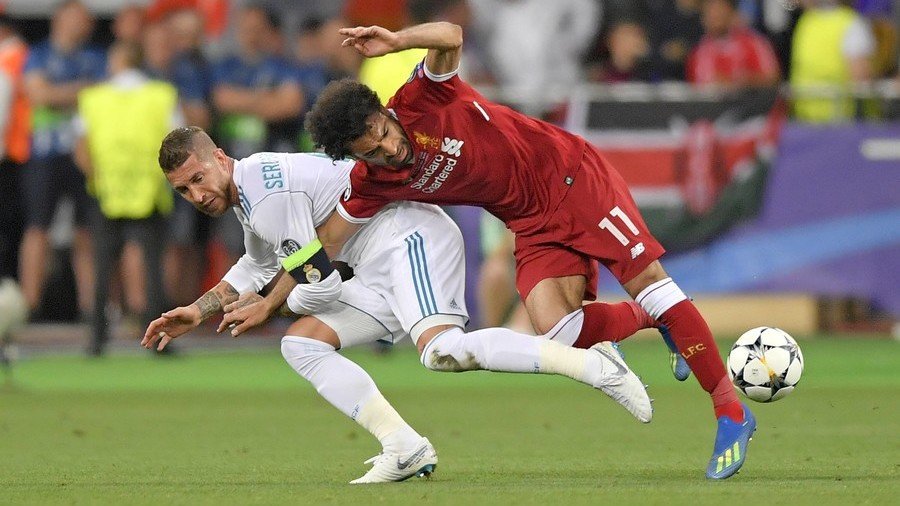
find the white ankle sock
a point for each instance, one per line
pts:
(350, 389)
(659, 297)
(567, 329)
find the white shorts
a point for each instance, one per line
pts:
(409, 276)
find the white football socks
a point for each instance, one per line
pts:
(503, 350)
(567, 330)
(659, 297)
(350, 389)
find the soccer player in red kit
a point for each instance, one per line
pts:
(439, 141)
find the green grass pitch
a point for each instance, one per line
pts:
(242, 428)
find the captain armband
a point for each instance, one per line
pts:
(308, 264)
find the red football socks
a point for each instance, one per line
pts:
(611, 322)
(695, 341)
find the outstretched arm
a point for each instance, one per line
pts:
(174, 323)
(442, 40)
(252, 310)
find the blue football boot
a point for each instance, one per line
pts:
(731, 446)
(680, 368)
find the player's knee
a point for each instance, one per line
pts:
(302, 353)
(447, 352)
(651, 274)
(552, 299)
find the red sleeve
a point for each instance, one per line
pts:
(764, 60)
(357, 206)
(424, 90)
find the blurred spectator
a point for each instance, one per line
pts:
(885, 30)
(213, 13)
(14, 132)
(675, 28)
(319, 45)
(777, 21)
(57, 69)
(320, 59)
(832, 51)
(183, 69)
(259, 101)
(128, 25)
(258, 94)
(731, 54)
(312, 65)
(274, 43)
(536, 46)
(120, 124)
(628, 56)
(186, 30)
(172, 53)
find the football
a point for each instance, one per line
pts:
(765, 363)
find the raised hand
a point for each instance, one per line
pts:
(171, 325)
(249, 311)
(370, 41)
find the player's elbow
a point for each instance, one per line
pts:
(455, 35)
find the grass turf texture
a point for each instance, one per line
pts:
(242, 428)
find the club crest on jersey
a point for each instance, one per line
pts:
(452, 146)
(417, 71)
(426, 141)
(289, 247)
(313, 275)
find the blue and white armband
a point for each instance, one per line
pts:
(309, 264)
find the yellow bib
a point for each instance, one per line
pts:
(124, 131)
(818, 59)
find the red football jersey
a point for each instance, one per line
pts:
(737, 57)
(469, 151)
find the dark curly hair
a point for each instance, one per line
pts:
(339, 116)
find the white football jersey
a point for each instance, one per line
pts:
(283, 198)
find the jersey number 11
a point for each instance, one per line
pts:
(607, 224)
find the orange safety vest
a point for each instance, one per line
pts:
(13, 53)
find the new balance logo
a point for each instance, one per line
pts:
(637, 250)
(452, 146)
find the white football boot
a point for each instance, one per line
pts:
(387, 467)
(610, 374)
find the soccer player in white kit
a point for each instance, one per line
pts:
(408, 280)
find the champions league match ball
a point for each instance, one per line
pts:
(765, 363)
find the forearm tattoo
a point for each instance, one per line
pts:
(214, 300)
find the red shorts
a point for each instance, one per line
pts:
(597, 221)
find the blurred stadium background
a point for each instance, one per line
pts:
(777, 198)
